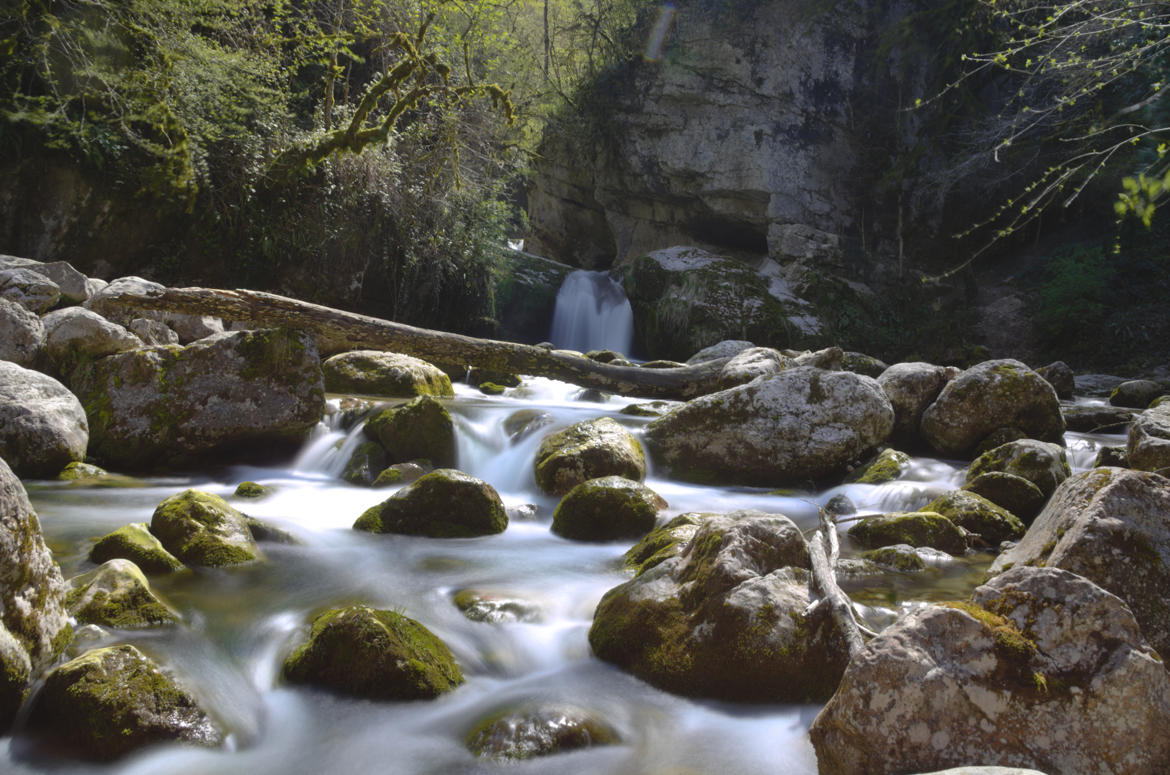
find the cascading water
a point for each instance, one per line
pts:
(592, 313)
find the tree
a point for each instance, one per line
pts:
(1089, 82)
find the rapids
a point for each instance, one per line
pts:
(240, 622)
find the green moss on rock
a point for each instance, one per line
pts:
(117, 595)
(541, 730)
(136, 543)
(922, 528)
(252, 490)
(421, 428)
(900, 557)
(376, 654)
(663, 542)
(887, 466)
(376, 373)
(976, 514)
(442, 504)
(202, 529)
(606, 509)
(588, 450)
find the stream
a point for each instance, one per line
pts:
(240, 622)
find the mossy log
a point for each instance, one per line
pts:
(340, 331)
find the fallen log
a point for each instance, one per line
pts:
(340, 331)
(823, 550)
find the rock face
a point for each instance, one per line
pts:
(200, 528)
(1148, 446)
(226, 393)
(685, 299)
(376, 654)
(1043, 669)
(34, 626)
(587, 450)
(111, 701)
(384, 374)
(42, 425)
(607, 509)
(442, 504)
(728, 617)
(800, 424)
(1108, 525)
(21, 334)
(986, 398)
(539, 730)
(419, 429)
(116, 594)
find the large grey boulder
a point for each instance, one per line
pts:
(728, 617)
(751, 363)
(1148, 444)
(911, 387)
(72, 284)
(988, 397)
(34, 627)
(30, 289)
(75, 333)
(1108, 525)
(1043, 669)
(1136, 393)
(111, 701)
(797, 425)
(21, 334)
(174, 405)
(43, 427)
(377, 373)
(587, 450)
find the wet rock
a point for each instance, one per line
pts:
(524, 422)
(1060, 376)
(479, 606)
(987, 397)
(153, 332)
(1148, 445)
(266, 532)
(1008, 491)
(376, 654)
(34, 627)
(729, 617)
(911, 387)
(136, 543)
(443, 504)
(666, 541)
(648, 408)
(886, 466)
(200, 528)
(78, 471)
(384, 374)
(479, 377)
(491, 389)
(840, 505)
(22, 334)
(111, 701)
(252, 490)
(587, 450)
(728, 348)
(539, 730)
(220, 397)
(400, 473)
(1044, 465)
(1136, 393)
(74, 334)
(116, 594)
(919, 528)
(42, 425)
(899, 557)
(1043, 669)
(29, 289)
(975, 514)
(1094, 418)
(1108, 525)
(751, 363)
(801, 424)
(607, 509)
(420, 428)
(1096, 385)
(860, 363)
(366, 462)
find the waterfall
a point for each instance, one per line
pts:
(592, 313)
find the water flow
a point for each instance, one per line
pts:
(592, 313)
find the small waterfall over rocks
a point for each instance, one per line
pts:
(592, 313)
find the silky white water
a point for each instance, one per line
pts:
(592, 313)
(240, 622)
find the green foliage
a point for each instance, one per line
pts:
(1072, 299)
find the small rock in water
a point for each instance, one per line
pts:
(540, 730)
(493, 608)
(607, 509)
(252, 490)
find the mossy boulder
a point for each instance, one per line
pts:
(1008, 491)
(977, 515)
(495, 608)
(377, 373)
(588, 450)
(987, 397)
(1148, 444)
(801, 424)
(420, 428)
(607, 509)
(1043, 464)
(442, 504)
(538, 730)
(1136, 393)
(116, 594)
(1108, 525)
(401, 473)
(664, 542)
(911, 387)
(43, 426)
(919, 528)
(252, 490)
(366, 462)
(112, 701)
(135, 542)
(79, 471)
(860, 363)
(201, 528)
(886, 466)
(728, 617)
(34, 626)
(364, 652)
(899, 557)
(226, 396)
(1040, 669)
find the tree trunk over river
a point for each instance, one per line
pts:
(339, 331)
